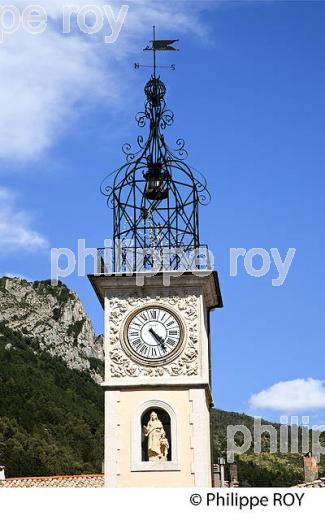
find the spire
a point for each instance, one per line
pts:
(155, 194)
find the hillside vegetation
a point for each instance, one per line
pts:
(263, 469)
(51, 416)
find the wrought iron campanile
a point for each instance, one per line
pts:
(155, 195)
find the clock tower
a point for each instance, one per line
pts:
(157, 287)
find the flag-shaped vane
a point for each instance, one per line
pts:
(158, 45)
(161, 45)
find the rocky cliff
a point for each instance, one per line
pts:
(56, 318)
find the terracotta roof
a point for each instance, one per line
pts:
(69, 481)
(319, 483)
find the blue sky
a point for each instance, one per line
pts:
(248, 96)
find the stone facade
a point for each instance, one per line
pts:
(185, 303)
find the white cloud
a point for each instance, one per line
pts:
(42, 81)
(298, 394)
(16, 232)
(48, 79)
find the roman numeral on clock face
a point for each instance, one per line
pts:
(154, 333)
(143, 349)
(136, 343)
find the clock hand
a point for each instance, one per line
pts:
(157, 337)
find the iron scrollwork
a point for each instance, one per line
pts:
(155, 195)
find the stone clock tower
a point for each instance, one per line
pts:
(157, 289)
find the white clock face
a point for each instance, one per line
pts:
(154, 333)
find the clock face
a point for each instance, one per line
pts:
(154, 333)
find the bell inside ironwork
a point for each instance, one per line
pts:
(155, 189)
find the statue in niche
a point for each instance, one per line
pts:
(158, 444)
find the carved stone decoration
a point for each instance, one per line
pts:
(185, 303)
(158, 444)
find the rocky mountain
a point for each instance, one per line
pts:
(55, 317)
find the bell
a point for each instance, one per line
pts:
(155, 183)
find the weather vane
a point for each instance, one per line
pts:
(158, 45)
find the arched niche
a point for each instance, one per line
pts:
(165, 420)
(167, 415)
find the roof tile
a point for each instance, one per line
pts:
(66, 481)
